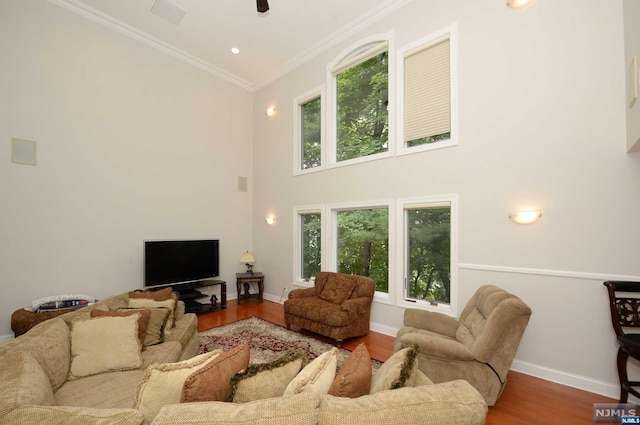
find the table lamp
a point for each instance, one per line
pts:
(248, 260)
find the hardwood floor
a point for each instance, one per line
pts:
(526, 399)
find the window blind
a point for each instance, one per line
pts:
(427, 91)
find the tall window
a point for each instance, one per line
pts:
(361, 121)
(427, 252)
(427, 107)
(362, 244)
(308, 234)
(308, 140)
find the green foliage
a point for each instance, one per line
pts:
(363, 244)
(311, 133)
(429, 276)
(311, 239)
(430, 139)
(363, 118)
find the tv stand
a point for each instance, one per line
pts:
(189, 294)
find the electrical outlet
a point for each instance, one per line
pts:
(285, 289)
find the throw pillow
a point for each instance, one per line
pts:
(337, 289)
(354, 378)
(155, 328)
(211, 382)
(317, 376)
(104, 344)
(161, 295)
(400, 370)
(147, 303)
(143, 321)
(266, 380)
(162, 383)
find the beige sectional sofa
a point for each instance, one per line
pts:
(36, 386)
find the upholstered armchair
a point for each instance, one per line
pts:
(478, 347)
(338, 306)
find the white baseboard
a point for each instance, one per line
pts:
(564, 378)
(5, 337)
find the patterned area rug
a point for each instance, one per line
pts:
(267, 341)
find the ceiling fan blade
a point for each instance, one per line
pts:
(263, 6)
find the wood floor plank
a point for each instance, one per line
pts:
(525, 400)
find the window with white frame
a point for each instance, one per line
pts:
(360, 243)
(427, 105)
(308, 137)
(360, 116)
(308, 235)
(428, 251)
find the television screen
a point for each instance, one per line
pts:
(173, 262)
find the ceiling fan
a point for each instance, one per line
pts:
(263, 6)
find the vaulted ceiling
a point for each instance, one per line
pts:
(291, 32)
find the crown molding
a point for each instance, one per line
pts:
(114, 24)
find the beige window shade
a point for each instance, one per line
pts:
(427, 92)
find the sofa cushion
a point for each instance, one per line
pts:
(449, 403)
(66, 415)
(22, 381)
(317, 376)
(149, 303)
(143, 320)
(337, 288)
(354, 378)
(299, 409)
(183, 329)
(266, 380)
(162, 383)
(400, 370)
(155, 332)
(318, 310)
(49, 343)
(159, 295)
(167, 352)
(211, 382)
(105, 391)
(105, 344)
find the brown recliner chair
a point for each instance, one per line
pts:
(479, 347)
(338, 306)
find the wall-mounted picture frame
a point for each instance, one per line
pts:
(24, 151)
(632, 81)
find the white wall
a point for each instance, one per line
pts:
(132, 145)
(542, 122)
(632, 48)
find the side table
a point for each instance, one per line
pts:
(245, 279)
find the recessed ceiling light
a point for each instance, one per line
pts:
(235, 50)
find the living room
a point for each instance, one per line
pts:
(134, 144)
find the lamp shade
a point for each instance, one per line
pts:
(247, 258)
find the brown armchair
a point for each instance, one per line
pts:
(338, 306)
(479, 347)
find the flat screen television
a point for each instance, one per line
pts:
(180, 261)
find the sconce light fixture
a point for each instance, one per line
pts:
(271, 111)
(517, 4)
(270, 220)
(248, 260)
(525, 217)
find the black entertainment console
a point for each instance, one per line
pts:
(189, 294)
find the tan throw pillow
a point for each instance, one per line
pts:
(211, 382)
(157, 322)
(160, 295)
(143, 321)
(354, 378)
(147, 303)
(317, 376)
(266, 380)
(162, 383)
(337, 289)
(400, 370)
(104, 344)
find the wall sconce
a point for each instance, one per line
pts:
(248, 260)
(525, 217)
(270, 220)
(517, 4)
(271, 111)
